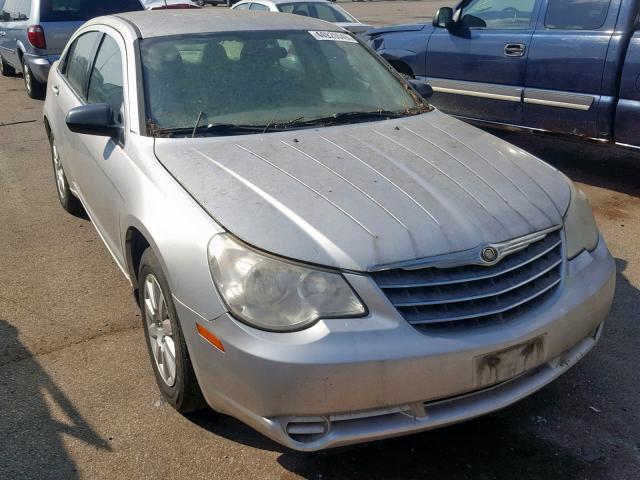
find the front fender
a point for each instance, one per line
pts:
(409, 47)
(412, 59)
(175, 226)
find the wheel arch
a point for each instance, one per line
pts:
(20, 53)
(47, 127)
(135, 244)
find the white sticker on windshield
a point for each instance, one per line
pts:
(333, 36)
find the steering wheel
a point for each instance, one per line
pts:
(509, 12)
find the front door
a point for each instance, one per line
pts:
(477, 66)
(93, 74)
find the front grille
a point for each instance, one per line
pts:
(475, 294)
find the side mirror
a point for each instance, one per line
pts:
(422, 87)
(443, 18)
(93, 119)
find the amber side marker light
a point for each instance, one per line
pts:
(210, 337)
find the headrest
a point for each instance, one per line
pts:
(163, 55)
(263, 52)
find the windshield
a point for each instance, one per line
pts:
(273, 79)
(323, 11)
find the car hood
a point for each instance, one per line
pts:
(354, 27)
(410, 27)
(361, 196)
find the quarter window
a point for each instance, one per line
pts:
(78, 61)
(22, 10)
(259, 7)
(105, 83)
(15, 10)
(244, 6)
(498, 14)
(576, 14)
(5, 12)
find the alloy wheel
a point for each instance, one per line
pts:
(159, 329)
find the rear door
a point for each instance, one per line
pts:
(627, 118)
(477, 69)
(563, 88)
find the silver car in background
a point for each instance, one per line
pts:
(34, 32)
(326, 257)
(321, 9)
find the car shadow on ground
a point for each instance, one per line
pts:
(31, 436)
(555, 433)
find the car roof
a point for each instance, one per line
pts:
(160, 23)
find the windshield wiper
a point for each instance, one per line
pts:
(350, 117)
(217, 129)
(223, 129)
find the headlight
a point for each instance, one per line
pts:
(273, 294)
(580, 227)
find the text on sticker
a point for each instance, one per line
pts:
(333, 36)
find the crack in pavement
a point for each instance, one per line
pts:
(22, 358)
(17, 123)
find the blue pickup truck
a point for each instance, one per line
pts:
(561, 66)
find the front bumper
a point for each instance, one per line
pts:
(353, 380)
(40, 65)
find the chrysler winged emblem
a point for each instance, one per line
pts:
(489, 254)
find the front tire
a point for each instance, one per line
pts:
(35, 89)
(165, 341)
(67, 199)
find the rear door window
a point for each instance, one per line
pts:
(83, 10)
(259, 7)
(576, 14)
(79, 59)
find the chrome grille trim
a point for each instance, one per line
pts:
(492, 312)
(435, 296)
(479, 296)
(504, 268)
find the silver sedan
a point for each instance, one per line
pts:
(315, 250)
(321, 9)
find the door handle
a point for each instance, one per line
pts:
(56, 90)
(514, 49)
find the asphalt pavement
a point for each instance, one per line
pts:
(78, 397)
